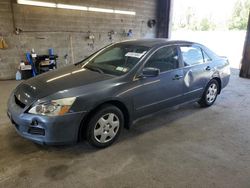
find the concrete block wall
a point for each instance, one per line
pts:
(67, 30)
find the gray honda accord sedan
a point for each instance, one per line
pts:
(98, 96)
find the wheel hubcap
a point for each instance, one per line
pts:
(211, 93)
(106, 128)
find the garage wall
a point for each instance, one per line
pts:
(67, 30)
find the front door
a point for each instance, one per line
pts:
(154, 93)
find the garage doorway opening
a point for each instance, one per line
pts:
(220, 25)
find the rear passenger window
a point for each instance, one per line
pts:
(191, 55)
(206, 57)
(165, 59)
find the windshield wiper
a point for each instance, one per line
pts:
(96, 69)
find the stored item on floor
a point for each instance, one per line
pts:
(18, 75)
(30, 61)
(24, 71)
(26, 74)
(25, 66)
(44, 63)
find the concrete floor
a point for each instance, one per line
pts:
(187, 147)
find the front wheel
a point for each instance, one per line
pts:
(105, 126)
(210, 94)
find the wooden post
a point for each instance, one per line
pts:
(245, 64)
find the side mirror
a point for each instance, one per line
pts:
(150, 72)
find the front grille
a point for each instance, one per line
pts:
(19, 103)
(36, 130)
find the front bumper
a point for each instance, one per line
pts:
(47, 130)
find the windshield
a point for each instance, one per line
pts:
(117, 59)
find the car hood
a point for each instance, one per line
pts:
(57, 80)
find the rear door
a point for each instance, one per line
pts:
(197, 71)
(154, 93)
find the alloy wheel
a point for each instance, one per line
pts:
(211, 93)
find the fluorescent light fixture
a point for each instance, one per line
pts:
(94, 9)
(124, 12)
(36, 3)
(73, 7)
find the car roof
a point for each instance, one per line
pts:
(154, 42)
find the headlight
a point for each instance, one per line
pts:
(53, 107)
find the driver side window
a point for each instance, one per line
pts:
(165, 59)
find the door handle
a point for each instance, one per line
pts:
(208, 68)
(177, 77)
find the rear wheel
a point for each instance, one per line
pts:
(210, 94)
(105, 126)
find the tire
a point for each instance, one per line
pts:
(210, 94)
(105, 126)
